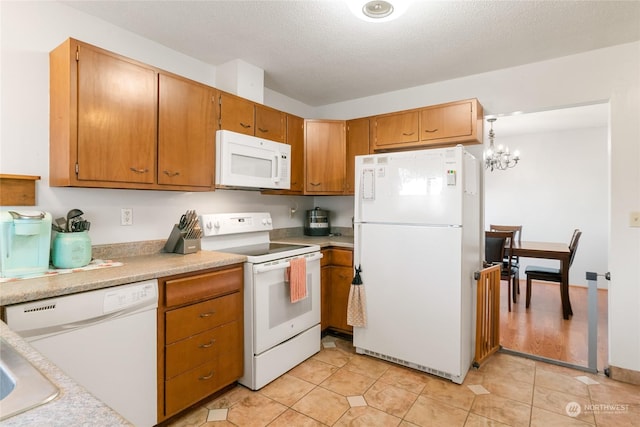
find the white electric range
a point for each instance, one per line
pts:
(278, 334)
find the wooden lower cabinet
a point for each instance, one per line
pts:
(200, 336)
(337, 274)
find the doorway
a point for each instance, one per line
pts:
(561, 183)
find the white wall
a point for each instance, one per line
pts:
(29, 30)
(561, 184)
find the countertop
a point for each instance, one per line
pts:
(75, 405)
(134, 269)
(322, 241)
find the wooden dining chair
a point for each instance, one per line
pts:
(549, 274)
(517, 235)
(496, 244)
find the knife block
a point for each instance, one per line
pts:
(179, 244)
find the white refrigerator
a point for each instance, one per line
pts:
(417, 240)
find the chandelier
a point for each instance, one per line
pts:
(499, 158)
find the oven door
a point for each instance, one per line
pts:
(276, 319)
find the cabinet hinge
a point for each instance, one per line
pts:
(77, 169)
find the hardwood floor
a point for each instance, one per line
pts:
(541, 330)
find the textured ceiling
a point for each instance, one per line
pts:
(318, 53)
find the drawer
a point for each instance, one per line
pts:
(188, 388)
(326, 257)
(186, 321)
(342, 257)
(202, 286)
(199, 349)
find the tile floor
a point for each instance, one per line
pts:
(337, 387)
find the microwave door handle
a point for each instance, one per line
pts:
(275, 170)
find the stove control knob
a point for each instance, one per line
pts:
(216, 224)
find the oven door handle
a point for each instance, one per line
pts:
(280, 265)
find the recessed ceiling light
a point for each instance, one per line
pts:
(378, 10)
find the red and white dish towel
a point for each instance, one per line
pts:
(296, 275)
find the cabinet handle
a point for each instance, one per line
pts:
(315, 184)
(207, 345)
(263, 130)
(138, 170)
(407, 133)
(171, 174)
(431, 130)
(209, 314)
(245, 125)
(206, 377)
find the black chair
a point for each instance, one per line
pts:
(496, 245)
(547, 274)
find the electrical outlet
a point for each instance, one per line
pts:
(126, 216)
(634, 219)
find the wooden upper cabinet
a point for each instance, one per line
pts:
(186, 132)
(324, 156)
(357, 145)
(243, 116)
(236, 114)
(270, 123)
(116, 117)
(396, 128)
(454, 121)
(447, 124)
(295, 138)
(118, 123)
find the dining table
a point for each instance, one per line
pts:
(550, 250)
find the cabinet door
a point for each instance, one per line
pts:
(186, 132)
(270, 123)
(448, 121)
(325, 295)
(236, 114)
(295, 138)
(324, 156)
(396, 129)
(341, 278)
(116, 118)
(357, 144)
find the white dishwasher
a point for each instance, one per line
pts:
(106, 340)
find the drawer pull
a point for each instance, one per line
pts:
(263, 130)
(208, 314)
(431, 130)
(246, 126)
(132, 169)
(407, 133)
(207, 345)
(206, 377)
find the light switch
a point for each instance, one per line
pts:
(634, 219)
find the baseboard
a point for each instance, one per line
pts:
(624, 375)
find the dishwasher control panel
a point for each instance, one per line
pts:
(123, 297)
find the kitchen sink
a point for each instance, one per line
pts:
(22, 386)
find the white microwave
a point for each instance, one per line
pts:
(245, 161)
